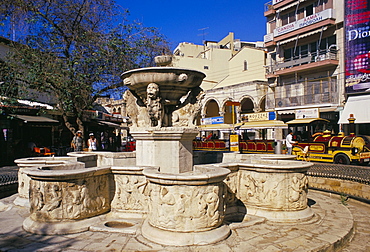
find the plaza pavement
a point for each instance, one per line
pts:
(335, 227)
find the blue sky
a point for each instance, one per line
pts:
(183, 21)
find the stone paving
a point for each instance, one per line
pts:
(335, 227)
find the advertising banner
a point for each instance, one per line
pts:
(315, 18)
(307, 113)
(357, 45)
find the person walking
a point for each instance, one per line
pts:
(77, 141)
(289, 142)
(91, 143)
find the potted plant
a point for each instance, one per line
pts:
(283, 149)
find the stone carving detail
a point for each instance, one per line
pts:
(187, 114)
(186, 208)
(137, 113)
(275, 191)
(23, 184)
(57, 201)
(154, 105)
(231, 183)
(130, 193)
(298, 192)
(154, 111)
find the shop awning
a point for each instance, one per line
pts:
(270, 124)
(34, 119)
(110, 124)
(306, 120)
(220, 126)
(359, 106)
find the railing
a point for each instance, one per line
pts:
(268, 6)
(307, 100)
(322, 91)
(321, 55)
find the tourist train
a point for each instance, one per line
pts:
(339, 149)
(322, 147)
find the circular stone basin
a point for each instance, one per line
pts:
(118, 224)
(173, 82)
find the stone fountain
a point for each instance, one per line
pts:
(186, 205)
(177, 202)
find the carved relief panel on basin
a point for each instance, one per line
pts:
(186, 208)
(130, 193)
(284, 191)
(53, 201)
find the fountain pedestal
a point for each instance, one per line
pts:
(169, 148)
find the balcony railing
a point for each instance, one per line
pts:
(305, 100)
(268, 6)
(313, 93)
(321, 55)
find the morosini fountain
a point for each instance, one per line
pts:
(173, 201)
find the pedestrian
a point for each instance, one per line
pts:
(289, 142)
(77, 141)
(104, 140)
(91, 143)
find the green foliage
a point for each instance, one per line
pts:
(344, 199)
(72, 50)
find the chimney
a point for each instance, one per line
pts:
(351, 121)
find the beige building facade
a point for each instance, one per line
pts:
(305, 58)
(235, 77)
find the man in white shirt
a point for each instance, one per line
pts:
(289, 142)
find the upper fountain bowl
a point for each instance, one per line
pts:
(173, 82)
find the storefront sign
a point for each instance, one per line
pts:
(307, 113)
(268, 37)
(212, 120)
(315, 18)
(262, 116)
(234, 142)
(357, 46)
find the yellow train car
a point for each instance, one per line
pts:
(339, 149)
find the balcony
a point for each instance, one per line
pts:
(311, 93)
(272, 6)
(269, 9)
(320, 59)
(307, 100)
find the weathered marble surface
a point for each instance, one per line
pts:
(105, 158)
(274, 189)
(171, 149)
(130, 193)
(32, 162)
(61, 196)
(192, 204)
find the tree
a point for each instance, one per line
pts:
(73, 50)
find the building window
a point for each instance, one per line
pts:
(301, 13)
(311, 49)
(284, 19)
(206, 67)
(319, 6)
(245, 65)
(309, 10)
(292, 17)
